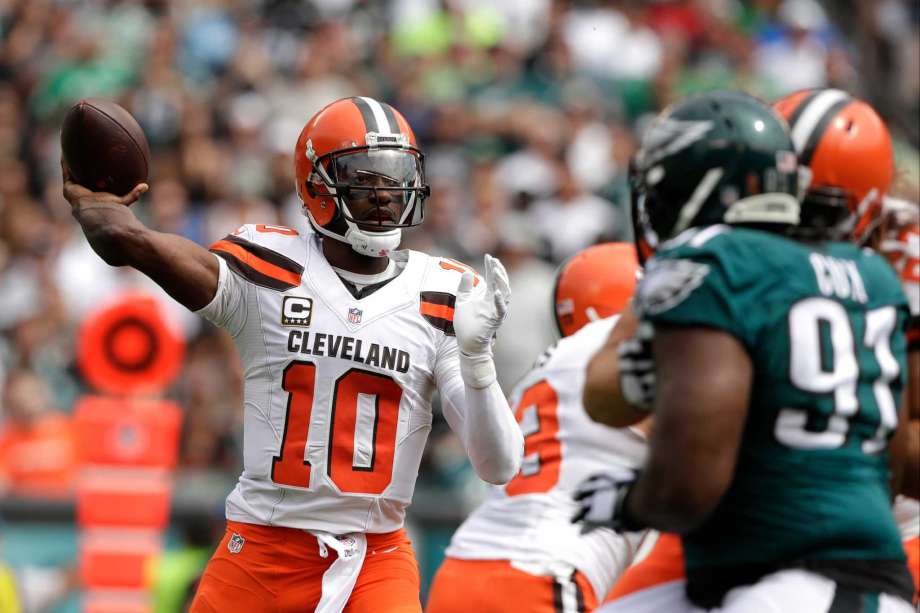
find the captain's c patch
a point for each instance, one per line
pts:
(296, 311)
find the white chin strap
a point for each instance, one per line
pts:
(374, 244)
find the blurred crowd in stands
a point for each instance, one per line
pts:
(527, 111)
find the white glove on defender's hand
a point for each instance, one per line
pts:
(600, 500)
(478, 313)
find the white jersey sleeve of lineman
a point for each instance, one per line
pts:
(528, 521)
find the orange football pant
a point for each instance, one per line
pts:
(664, 563)
(494, 586)
(912, 549)
(278, 570)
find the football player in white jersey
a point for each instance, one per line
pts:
(344, 340)
(901, 245)
(519, 551)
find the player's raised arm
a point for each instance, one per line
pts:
(187, 271)
(473, 403)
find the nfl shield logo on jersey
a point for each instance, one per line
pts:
(354, 315)
(235, 545)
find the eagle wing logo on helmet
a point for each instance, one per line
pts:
(667, 283)
(668, 136)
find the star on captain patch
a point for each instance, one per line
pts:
(354, 315)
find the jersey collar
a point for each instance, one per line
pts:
(399, 293)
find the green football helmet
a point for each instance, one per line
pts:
(720, 157)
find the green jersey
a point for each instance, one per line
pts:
(823, 325)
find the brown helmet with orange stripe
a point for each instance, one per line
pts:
(594, 283)
(846, 145)
(360, 174)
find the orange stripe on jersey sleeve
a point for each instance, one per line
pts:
(257, 263)
(437, 310)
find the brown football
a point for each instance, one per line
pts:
(104, 147)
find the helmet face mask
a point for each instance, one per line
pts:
(377, 189)
(825, 213)
(722, 157)
(360, 176)
(847, 148)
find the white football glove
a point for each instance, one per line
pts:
(478, 313)
(637, 368)
(600, 499)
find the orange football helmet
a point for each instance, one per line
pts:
(594, 283)
(360, 174)
(846, 145)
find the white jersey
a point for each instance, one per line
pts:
(907, 514)
(904, 252)
(529, 520)
(337, 388)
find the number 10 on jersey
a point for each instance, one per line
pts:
(361, 442)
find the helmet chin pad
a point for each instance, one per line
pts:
(373, 244)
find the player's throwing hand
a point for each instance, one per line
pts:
(81, 198)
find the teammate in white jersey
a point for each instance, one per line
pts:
(901, 245)
(519, 551)
(343, 340)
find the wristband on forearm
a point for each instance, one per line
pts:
(477, 370)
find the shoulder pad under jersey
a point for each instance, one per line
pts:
(438, 291)
(265, 255)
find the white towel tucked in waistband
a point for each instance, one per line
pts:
(339, 579)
